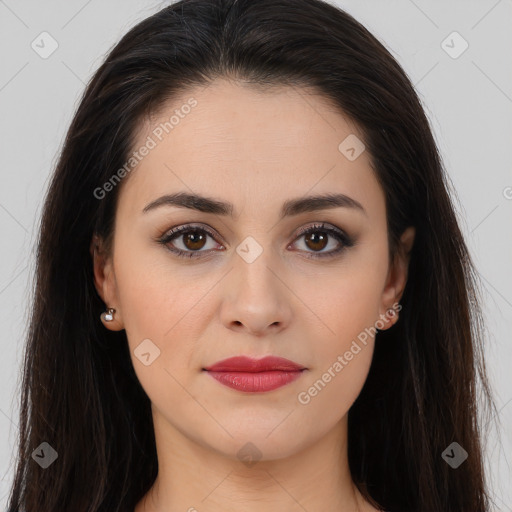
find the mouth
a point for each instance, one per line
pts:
(255, 375)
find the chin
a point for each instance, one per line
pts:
(250, 444)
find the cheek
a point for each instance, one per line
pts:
(159, 305)
(329, 392)
(155, 296)
(341, 358)
(162, 316)
(343, 304)
(346, 304)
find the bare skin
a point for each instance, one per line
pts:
(256, 150)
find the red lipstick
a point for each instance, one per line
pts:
(255, 375)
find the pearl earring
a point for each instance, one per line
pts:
(108, 315)
(392, 314)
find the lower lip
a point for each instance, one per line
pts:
(256, 382)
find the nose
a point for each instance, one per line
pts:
(256, 298)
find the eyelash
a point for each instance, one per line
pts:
(339, 235)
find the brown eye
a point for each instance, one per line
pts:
(318, 237)
(190, 240)
(316, 240)
(194, 240)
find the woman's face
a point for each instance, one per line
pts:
(255, 285)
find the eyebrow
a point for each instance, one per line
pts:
(290, 207)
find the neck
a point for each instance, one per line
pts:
(194, 477)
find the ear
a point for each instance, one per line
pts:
(397, 278)
(105, 281)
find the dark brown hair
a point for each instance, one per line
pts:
(80, 393)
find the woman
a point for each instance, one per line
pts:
(252, 291)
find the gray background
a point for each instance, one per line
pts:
(468, 100)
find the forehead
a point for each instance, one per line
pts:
(251, 146)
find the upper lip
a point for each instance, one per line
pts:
(248, 364)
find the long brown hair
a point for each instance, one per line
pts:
(79, 391)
